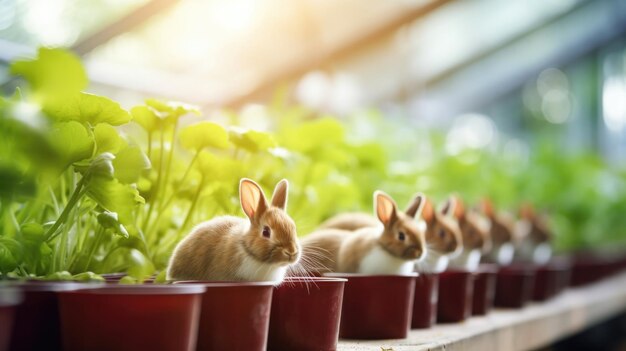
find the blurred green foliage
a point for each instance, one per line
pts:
(87, 186)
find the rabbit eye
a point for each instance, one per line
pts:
(267, 232)
(442, 233)
(401, 236)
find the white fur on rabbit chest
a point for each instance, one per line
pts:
(468, 259)
(253, 270)
(379, 261)
(432, 262)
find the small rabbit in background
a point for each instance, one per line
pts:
(475, 230)
(502, 232)
(391, 246)
(534, 236)
(260, 248)
(443, 236)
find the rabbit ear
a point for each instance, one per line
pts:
(279, 198)
(252, 199)
(460, 208)
(449, 207)
(385, 207)
(428, 212)
(487, 207)
(527, 211)
(417, 205)
(454, 208)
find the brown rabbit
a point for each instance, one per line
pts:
(534, 236)
(443, 236)
(261, 248)
(391, 247)
(476, 237)
(502, 234)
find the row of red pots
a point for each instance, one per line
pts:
(302, 313)
(454, 295)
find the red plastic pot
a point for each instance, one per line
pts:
(36, 325)
(484, 289)
(377, 306)
(514, 285)
(456, 290)
(550, 279)
(587, 269)
(10, 298)
(234, 315)
(305, 314)
(131, 317)
(425, 300)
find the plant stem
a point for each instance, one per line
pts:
(150, 145)
(76, 195)
(168, 169)
(182, 180)
(22, 270)
(94, 246)
(192, 208)
(154, 196)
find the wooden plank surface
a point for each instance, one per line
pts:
(534, 326)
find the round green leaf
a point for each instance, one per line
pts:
(141, 267)
(251, 140)
(88, 108)
(53, 75)
(107, 139)
(73, 141)
(219, 168)
(310, 136)
(146, 117)
(204, 134)
(129, 164)
(11, 253)
(114, 196)
(173, 108)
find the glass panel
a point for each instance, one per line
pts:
(57, 22)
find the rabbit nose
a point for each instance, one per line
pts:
(291, 253)
(413, 251)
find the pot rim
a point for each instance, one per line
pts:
(362, 275)
(141, 289)
(222, 284)
(51, 286)
(315, 279)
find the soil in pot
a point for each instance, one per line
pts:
(131, 317)
(305, 314)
